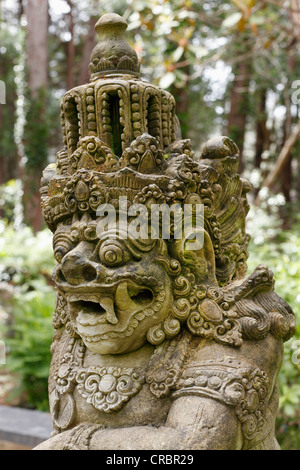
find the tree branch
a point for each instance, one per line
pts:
(282, 159)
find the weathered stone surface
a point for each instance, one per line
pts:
(157, 345)
(23, 427)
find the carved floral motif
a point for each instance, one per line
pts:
(108, 389)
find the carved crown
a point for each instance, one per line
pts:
(116, 106)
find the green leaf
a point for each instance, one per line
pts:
(232, 20)
(167, 80)
(257, 19)
(178, 54)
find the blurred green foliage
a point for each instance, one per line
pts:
(9, 200)
(26, 262)
(29, 344)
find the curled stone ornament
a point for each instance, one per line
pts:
(108, 389)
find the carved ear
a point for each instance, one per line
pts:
(49, 174)
(195, 251)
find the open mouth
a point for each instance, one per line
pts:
(91, 310)
(89, 313)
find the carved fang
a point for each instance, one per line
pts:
(123, 299)
(108, 304)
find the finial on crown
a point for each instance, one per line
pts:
(112, 54)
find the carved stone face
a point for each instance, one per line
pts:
(114, 288)
(116, 293)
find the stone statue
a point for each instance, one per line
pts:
(157, 345)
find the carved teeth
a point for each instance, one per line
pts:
(87, 319)
(78, 298)
(89, 316)
(108, 304)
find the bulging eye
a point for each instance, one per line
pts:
(112, 254)
(61, 246)
(59, 253)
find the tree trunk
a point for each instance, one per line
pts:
(1, 156)
(37, 44)
(286, 178)
(262, 134)
(89, 44)
(70, 50)
(286, 173)
(181, 96)
(295, 17)
(35, 130)
(8, 159)
(286, 170)
(282, 159)
(239, 101)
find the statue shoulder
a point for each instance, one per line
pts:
(242, 380)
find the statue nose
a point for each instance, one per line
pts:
(76, 269)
